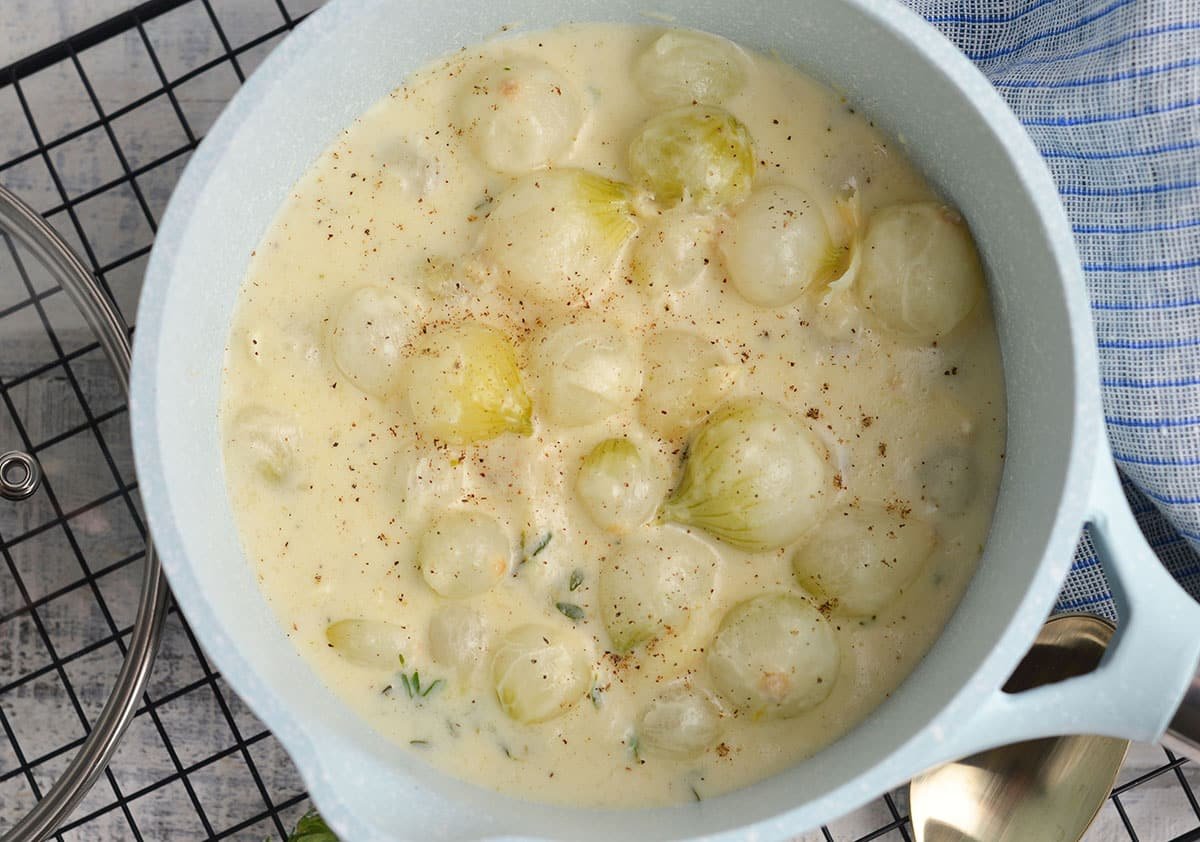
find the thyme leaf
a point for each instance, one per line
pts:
(540, 545)
(576, 580)
(570, 609)
(528, 553)
(414, 688)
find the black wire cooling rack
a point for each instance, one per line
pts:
(94, 132)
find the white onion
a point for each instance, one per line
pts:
(368, 336)
(680, 723)
(458, 638)
(777, 245)
(774, 656)
(463, 553)
(684, 66)
(539, 672)
(697, 152)
(920, 273)
(616, 486)
(754, 477)
(687, 377)
(368, 643)
(587, 372)
(862, 558)
(521, 114)
(653, 583)
(675, 252)
(556, 235)
(465, 386)
(410, 169)
(268, 441)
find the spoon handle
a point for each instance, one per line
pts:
(1183, 734)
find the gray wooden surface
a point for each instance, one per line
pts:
(28, 25)
(208, 750)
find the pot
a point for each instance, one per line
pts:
(1057, 477)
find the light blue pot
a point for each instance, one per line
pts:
(1058, 475)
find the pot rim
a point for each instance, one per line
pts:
(304, 738)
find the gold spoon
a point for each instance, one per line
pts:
(1048, 789)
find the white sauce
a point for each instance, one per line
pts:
(346, 506)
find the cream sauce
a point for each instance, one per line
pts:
(333, 486)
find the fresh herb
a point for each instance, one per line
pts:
(401, 659)
(540, 545)
(594, 694)
(570, 609)
(531, 552)
(633, 747)
(576, 580)
(387, 691)
(507, 753)
(312, 828)
(695, 793)
(413, 687)
(419, 743)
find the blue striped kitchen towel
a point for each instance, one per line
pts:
(1109, 90)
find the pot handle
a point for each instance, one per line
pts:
(1149, 678)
